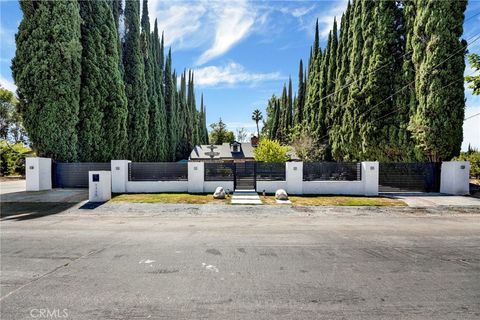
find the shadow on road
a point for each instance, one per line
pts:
(31, 210)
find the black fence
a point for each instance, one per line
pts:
(409, 177)
(332, 171)
(216, 171)
(75, 174)
(270, 171)
(157, 171)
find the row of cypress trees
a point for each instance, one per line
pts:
(388, 86)
(94, 85)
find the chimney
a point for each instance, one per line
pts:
(254, 141)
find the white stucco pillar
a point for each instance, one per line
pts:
(455, 177)
(99, 186)
(370, 170)
(294, 177)
(195, 177)
(38, 172)
(119, 170)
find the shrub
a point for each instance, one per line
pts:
(12, 158)
(271, 151)
(474, 158)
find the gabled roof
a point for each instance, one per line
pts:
(224, 151)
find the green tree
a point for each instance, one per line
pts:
(170, 107)
(257, 117)
(271, 151)
(474, 81)
(158, 129)
(11, 124)
(220, 134)
(102, 131)
(300, 102)
(438, 57)
(46, 69)
(135, 84)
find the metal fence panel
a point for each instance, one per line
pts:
(408, 177)
(75, 174)
(216, 171)
(157, 171)
(332, 171)
(270, 171)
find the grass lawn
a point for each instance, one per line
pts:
(336, 201)
(168, 198)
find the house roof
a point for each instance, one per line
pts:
(225, 151)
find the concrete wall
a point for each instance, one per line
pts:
(370, 171)
(294, 176)
(455, 177)
(271, 186)
(196, 172)
(101, 190)
(210, 186)
(38, 172)
(119, 170)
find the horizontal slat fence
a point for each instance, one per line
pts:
(332, 171)
(75, 174)
(270, 171)
(157, 171)
(216, 171)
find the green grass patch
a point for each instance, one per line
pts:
(168, 198)
(312, 200)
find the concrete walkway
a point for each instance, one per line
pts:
(246, 197)
(433, 199)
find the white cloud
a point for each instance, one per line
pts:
(233, 24)
(231, 74)
(325, 18)
(7, 84)
(181, 22)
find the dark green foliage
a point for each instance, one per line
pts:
(102, 131)
(437, 123)
(46, 69)
(220, 134)
(389, 88)
(135, 85)
(474, 60)
(170, 107)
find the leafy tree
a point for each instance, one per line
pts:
(220, 134)
(11, 126)
(474, 81)
(438, 57)
(307, 148)
(46, 69)
(257, 117)
(135, 84)
(12, 158)
(102, 127)
(242, 135)
(271, 151)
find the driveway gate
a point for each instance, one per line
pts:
(75, 174)
(409, 177)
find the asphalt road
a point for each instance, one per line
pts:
(226, 262)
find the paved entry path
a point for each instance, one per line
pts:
(246, 197)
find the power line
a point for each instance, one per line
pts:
(469, 117)
(412, 82)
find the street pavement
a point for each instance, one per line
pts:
(151, 261)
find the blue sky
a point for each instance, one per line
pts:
(242, 51)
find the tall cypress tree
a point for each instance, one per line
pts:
(313, 97)
(300, 102)
(155, 128)
(47, 69)
(135, 84)
(159, 130)
(102, 127)
(170, 107)
(336, 132)
(437, 123)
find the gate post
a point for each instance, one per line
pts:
(196, 177)
(119, 169)
(38, 172)
(370, 170)
(294, 177)
(455, 177)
